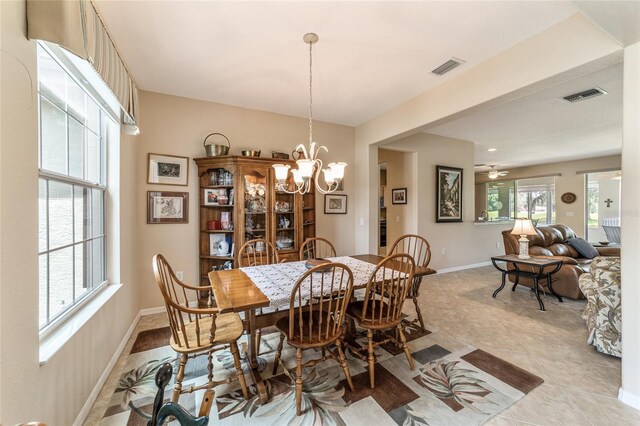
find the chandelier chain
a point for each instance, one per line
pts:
(310, 94)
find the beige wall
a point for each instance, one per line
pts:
(401, 218)
(178, 126)
(56, 391)
(569, 180)
(464, 243)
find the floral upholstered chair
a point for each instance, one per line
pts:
(601, 287)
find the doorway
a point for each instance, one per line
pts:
(382, 216)
(603, 206)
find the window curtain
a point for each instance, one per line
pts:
(76, 26)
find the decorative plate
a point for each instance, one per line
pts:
(568, 197)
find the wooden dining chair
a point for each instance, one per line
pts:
(381, 309)
(317, 248)
(249, 256)
(418, 248)
(316, 320)
(197, 331)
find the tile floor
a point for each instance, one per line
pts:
(581, 384)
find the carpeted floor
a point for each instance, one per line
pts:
(453, 384)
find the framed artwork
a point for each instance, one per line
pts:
(167, 207)
(214, 241)
(168, 169)
(399, 196)
(335, 204)
(448, 194)
(215, 197)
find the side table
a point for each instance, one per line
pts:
(536, 270)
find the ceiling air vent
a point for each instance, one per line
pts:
(587, 94)
(447, 66)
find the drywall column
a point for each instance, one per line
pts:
(630, 222)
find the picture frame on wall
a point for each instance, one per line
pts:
(167, 207)
(399, 196)
(335, 204)
(167, 170)
(448, 194)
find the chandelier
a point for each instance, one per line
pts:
(309, 165)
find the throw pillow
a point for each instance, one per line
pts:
(583, 247)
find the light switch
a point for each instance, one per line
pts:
(570, 214)
(362, 221)
(180, 275)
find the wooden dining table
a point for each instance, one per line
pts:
(235, 291)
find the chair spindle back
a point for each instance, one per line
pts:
(387, 290)
(249, 256)
(317, 248)
(177, 297)
(329, 288)
(415, 246)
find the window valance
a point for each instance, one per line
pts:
(76, 26)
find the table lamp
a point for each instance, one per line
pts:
(523, 227)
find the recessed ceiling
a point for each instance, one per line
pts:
(371, 56)
(543, 128)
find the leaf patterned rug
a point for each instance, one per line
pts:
(452, 384)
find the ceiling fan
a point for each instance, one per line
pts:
(493, 173)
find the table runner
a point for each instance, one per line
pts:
(276, 281)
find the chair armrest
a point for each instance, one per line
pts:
(608, 251)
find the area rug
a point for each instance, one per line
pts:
(452, 384)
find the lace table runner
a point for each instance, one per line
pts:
(276, 281)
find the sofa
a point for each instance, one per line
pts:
(551, 241)
(601, 287)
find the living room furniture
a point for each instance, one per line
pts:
(319, 323)
(418, 248)
(534, 268)
(611, 228)
(603, 314)
(381, 308)
(551, 241)
(196, 331)
(317, 248)
(239, 202)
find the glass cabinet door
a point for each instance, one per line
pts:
(285, 222)
(256, 205)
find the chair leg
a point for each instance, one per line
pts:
(258, 341)
(239, 372)
(407, 352)
(418, 313)
(276, 360)
(177, 388)
(343, 363)
(371, 359)
(299, 382)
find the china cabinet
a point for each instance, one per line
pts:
(239, 202)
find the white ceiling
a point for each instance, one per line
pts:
(540, 128)
(371, 56)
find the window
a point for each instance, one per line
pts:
(536, 200)
(72, 188)
(500, 200)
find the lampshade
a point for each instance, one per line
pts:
(337, 170)
(306, 168)
(523, 227)
(282, 170)
(328, 176)
(297, 176)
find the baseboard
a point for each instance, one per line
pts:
(152, 311)
(629, 399)
(82, 416)
(462, 268)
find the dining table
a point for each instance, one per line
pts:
(263, 294)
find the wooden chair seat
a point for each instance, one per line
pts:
(354, 310)
(228, 329)
(312, 336)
